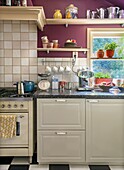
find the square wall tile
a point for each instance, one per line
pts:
(24, 69)
(24, 44)
(1, 44)
(1, 78)
(16, 69)
(33, 69)
(33, 77)
(7, 27)
(33, 61)
(16, 27)
(8, 61)
(24, 53)
(32, 28)
(7, 36)
(16, 61)
(24, 27)
(1, 35)
(32, 36)
(8, 53)
(8, 69)
(32, 44)
(1, 53)
(8, 78)
(16, 45)
(7, 44)
(16, 36)
(16, 77)
(24, 36)
(16, 53)
(1, 61)
(25, 61)
(25, 77)
(32, 53)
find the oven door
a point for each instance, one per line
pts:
(21, 138)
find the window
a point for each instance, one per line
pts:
(96, 39)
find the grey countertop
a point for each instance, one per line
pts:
(77, 94)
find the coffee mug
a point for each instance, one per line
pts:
(61, 69)
(55, 69)
(67, 69)
(48, 69)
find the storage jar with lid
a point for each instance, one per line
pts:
(71, 12)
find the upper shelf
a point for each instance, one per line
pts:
(84, 21)
(29, 13)
(63, 49)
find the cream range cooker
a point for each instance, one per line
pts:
(22, 107)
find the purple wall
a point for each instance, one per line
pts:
(78, 32)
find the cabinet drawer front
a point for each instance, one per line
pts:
(61, 113)
(61, 146)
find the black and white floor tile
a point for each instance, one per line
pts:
(22, 163)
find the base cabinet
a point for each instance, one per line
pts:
(61, 130)
(105, 131)
(61, 146)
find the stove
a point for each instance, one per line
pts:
(12, 93)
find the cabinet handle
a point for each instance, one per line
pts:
(60, 133)
(60, 100)
(93, 101)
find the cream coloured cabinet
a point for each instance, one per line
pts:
(105, 131)
(61, 130)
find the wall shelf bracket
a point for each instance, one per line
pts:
(48, 51)
(66, 25)
(122, 25)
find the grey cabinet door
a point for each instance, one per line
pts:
(61, 146)
(105, 131)
(61, 113)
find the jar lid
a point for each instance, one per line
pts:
(71, 6)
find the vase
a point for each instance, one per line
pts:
(100, 53)
(109, 53)
(57, 14)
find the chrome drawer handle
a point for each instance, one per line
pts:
(93, 101)
(60, 100)
(60, 133)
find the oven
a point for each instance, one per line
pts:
(13, 108)
(22, 108)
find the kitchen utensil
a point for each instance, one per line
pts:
(19, 87)
(48, 69)
(88, 14)
(44, 84)
(28, 86)
(101, 13)
(67, 69)
(113, 12)
(93, 14)
(121, 13)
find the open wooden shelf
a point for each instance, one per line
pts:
(84, 21)
(63, 49)
(20, 13)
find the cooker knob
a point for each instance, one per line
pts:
(21, 105)
(3, 105)
(15, 105)
(9, 105)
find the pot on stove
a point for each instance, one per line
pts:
(28, 86)
(20, 87)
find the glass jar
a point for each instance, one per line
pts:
(71, 12)
(57, 14)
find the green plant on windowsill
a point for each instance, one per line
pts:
(102, 75)
(110, 48)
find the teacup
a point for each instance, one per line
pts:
(67, 69)
(48, 69)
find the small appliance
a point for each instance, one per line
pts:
(44, 84)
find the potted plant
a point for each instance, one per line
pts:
(110, 48)
(101, 77)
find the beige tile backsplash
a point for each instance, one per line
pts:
(18, 55)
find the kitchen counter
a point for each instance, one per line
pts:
(77, 94)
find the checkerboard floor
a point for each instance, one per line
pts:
(22, 163)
